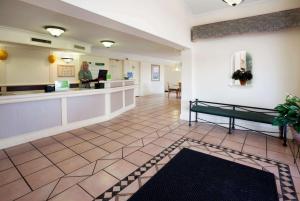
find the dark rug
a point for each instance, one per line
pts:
(194, 176)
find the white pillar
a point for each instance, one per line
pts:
(187, 82)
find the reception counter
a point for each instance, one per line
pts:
(27, 117)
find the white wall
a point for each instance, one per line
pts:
(187, 82)
(160, 18)
(165, 22)
(172, 75)
(116, 67)
(149, 87)
(275, 68)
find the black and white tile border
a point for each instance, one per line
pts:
(285, 178)
(138, 172)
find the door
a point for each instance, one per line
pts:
(116, 69)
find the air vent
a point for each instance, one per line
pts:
(79, 47)
(41, 40)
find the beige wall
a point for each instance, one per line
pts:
(2, 72)
(88, 58)
(29, 65)
(59, 61)
(26, 65)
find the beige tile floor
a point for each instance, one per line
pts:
(84, 163)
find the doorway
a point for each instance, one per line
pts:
(116, 69)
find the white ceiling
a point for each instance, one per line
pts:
(14, 13)
(203, 6)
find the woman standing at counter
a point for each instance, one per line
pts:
(85, 75)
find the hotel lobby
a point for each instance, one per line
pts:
(149, 100)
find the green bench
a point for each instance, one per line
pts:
(233, 112)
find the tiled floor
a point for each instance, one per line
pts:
(108, 161)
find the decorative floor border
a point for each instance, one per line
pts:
(285, 178)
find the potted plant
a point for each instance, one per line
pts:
(242, 75)
(289, 114)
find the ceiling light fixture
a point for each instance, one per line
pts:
(107, 43)
(55, 30)
(233, 2)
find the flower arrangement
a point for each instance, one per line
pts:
(242, 75)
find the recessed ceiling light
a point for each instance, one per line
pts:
(233, 2)
(55, 30)
(107, 43)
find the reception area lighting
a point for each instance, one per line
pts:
(107, 43)
(233, 2)
(55, 30)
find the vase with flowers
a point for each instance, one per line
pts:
(242, 75)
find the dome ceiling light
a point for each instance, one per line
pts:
(233, 2)
(55, 30)
(108, 43)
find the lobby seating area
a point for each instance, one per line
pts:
(237, 112)
(102, 161)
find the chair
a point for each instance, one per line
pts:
(175, 90)
(179, 90)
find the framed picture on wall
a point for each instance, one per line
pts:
(155, 72)
(65, 70)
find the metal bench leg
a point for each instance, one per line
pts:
(281, 132)
(196, 112)
(297, 154)
(190, 114)
(284, 136)
(233, 124)
(230, 126)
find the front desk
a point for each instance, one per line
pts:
(29, 117)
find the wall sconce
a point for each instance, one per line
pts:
(67, 59)
(52, 59)
(3, 55)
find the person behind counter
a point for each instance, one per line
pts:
(85, 75)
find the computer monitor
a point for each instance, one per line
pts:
(102, 74)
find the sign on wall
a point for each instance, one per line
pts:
(66, 70)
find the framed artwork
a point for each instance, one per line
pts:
(155, 72)
(65, 71)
